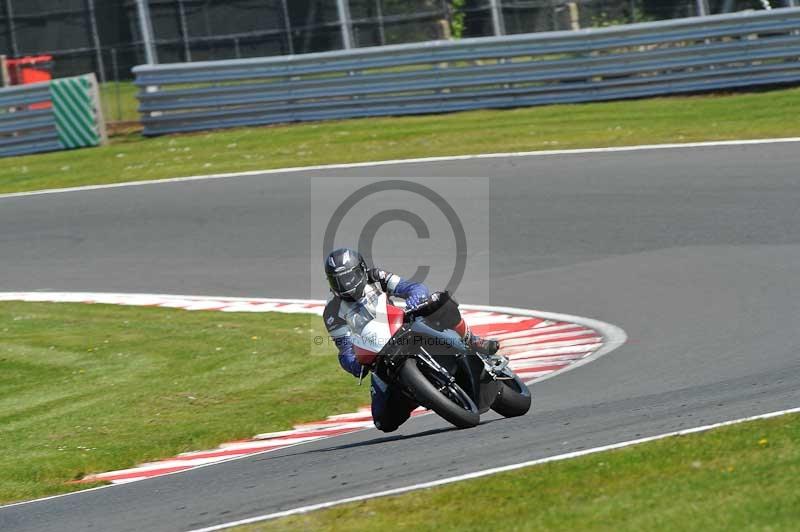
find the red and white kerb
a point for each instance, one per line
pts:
(535, 346)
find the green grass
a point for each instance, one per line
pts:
(119, 102)
(93, 388)
(743, 477)
(679, 119)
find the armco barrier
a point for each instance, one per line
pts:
(57, 115)
(677, 56)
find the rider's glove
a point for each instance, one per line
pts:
(415, 300)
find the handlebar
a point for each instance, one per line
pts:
(426, 307)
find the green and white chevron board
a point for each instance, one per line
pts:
(76, 105)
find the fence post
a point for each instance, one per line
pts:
(117, 89)
(498, 20)
(100, 120)
(98, 52)
(346, 23)
(287, 26)
(381, 28)
(574, 16)
(702, 8)
(5, 80)
(187, 50)
(12, 31)
(146, 29)
(444, 30)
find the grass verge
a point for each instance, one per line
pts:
(92, 388)
(658, 120)
(742, 477)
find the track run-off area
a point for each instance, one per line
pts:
(692, 250)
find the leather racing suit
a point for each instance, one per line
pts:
(345, 319)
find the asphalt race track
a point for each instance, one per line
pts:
(695, 252)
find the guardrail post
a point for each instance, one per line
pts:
(498, 21)
(346, 23)
(702, 8)
(146, 29)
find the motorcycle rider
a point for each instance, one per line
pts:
(354, 292)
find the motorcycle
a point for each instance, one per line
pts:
(433, 367)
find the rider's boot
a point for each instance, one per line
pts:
(481, 345)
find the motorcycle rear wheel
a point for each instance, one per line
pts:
(463, 416)
(514, 398)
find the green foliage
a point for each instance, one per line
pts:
(457, 18)
(604, 19)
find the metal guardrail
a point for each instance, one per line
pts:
(636, 60)
(25, 126)
(56, 115)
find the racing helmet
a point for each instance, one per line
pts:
(346, 271)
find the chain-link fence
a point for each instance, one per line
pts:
(105, 36)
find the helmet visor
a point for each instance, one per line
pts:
(346, 283)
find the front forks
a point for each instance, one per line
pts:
(496, 366)
(447, 378)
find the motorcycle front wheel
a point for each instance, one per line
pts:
(447, 399)
(514, 398)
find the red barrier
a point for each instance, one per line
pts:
(31, 69)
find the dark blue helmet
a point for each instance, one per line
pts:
(346, 271)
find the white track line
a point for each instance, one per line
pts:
(487, 472)
(394, 162)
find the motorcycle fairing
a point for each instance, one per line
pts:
(372, 321)
(450, 353)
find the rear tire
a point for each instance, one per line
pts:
(514, 398)
(429, 396)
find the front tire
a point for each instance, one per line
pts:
(514, 398)
(462, 416)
